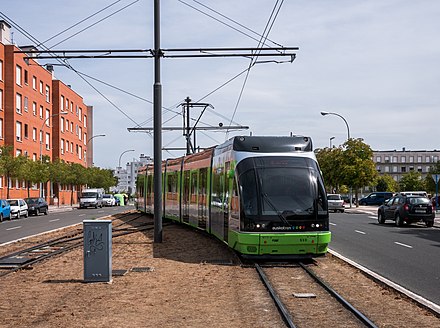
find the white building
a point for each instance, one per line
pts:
(398, 162)
(127, 176)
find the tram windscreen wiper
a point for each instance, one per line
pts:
(280, 215)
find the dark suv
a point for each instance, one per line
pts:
(407, 209)
(37, 205)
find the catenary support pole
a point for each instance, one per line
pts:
(157, 113)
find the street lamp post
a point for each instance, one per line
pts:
(331, 142)
(348, 138)
(41, 142)
(89, 158)
(98, 135)
(348, 128)
(123, 154)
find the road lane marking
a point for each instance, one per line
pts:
(82, 215)
(54, 220)
(404, 245)
(361, 232)
(18, 227)
(333, 224)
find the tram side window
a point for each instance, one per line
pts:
(194, 190)
(217, 188)
(322, 205)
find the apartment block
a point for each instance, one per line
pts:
(396, 163)
(40, 117)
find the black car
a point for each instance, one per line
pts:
(407, 209)
(37, 205)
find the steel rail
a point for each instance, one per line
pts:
(280, 306)
(339, 298)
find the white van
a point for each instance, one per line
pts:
(414, 193)
(91, 198)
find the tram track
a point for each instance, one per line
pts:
(25, 258)
(303, 303)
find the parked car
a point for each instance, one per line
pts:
(19, 208)
(376, 198)
(37, 205)
(407, 209)
(108, 200)
(5, 210)
(335, 203)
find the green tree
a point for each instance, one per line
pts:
(10, 166)
(357, 165)
(329, 160)
(386, 183)
(411, 181)
(76, 176)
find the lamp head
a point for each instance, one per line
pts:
(324, 113)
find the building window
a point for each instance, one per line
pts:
(76, 129)
(26, 80)
(18, 75)
(18, 103)
(62, 146)
(378, 159)
(411, 159)
(403, 169)
(402, 159)
(80, 133)
(411, 168)
(41, 87)
(47, 141)
(428, 159)
(62, 103)
(18, 131)
(34, 134)
(47, 93)
(41, 112)
(85, 121)
(1, 99)
(387, 159)
(67, 125)
(80, 152)
(394, 169)
(419, 169)
(387, 169)
(71, 127)
(62, 124)
(1, 70)
(378, 168)
(85, 138)
(34, 83)
(419, 159)
(395, 160)
(1, 128)
(34, 108)
(47, 117)
(80, 114)
(435, 159)
(26, 131)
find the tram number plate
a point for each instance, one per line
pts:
(420, 211)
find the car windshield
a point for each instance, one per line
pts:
(31, 200)
(89, 194)
(107, 196)
(13, 202)
(334, 197)
(418, 200)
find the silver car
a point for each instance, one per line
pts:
(335, 203)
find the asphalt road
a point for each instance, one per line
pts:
(408, 256)
(57, 218)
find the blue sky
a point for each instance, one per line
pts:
(373, 62)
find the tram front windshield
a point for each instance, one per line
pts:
(279, 192)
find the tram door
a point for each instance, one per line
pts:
(202, 208)
(186, 196)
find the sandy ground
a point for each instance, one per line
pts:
(192, 281)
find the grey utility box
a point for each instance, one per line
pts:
(97, 250)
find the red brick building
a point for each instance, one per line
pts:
(39, 116)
